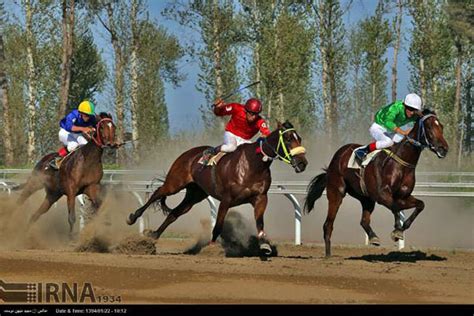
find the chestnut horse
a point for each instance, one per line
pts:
(80, 172)
(240, 177)
(389, 179)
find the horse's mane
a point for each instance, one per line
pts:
(103, 115)
(427, 112)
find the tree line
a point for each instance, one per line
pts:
(327, 77)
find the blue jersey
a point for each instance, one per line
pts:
(74, 118)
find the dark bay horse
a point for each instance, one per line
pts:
(80, 172)
(240, 177)
(389, 179)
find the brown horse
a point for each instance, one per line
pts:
(240, 177)
(80, 172)
(389, 179)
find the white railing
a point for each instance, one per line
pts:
(289, 189)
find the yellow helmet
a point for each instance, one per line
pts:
(87, 107)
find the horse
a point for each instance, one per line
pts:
(240, 177)
(388, 179)
(80, 173)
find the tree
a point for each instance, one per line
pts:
(332, 53)
(118, 29)
(30, 9)
(281, 43)
(214, 21)
(396, 26)
(7, 123)
(136, 5)
(88, 70)
(433, 72)
(457, 13)
(157, 58)
(375, 41)
(68, 44)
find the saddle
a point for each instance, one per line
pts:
(354, 162)
(57, 160)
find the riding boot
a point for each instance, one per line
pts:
(209, 153)
(361, 153)
(56, 162)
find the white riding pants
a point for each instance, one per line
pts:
(383, 137)
(71, 140)
(231, 142)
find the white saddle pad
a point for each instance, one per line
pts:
(354, 162)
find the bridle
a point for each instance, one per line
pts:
(97, 139)
(289, 154)
(421, 140)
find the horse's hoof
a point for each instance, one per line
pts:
(149, 233)
(375, 241)
(131, 219)
(265, 249)
(397, 235)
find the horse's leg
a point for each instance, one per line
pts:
(194, 195)
(334, 196)
(71, 203)
(221, 213)
(367, 209)
(335, 200)
(404, 204)
(93, 192)
(44, 207)
(260, 204)
(166, 189)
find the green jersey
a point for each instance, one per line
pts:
(393, 116)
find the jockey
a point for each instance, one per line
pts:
(244, 123)
(72, 126)
(388, 121)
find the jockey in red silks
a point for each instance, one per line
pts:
(244, 123)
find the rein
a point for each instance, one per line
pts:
(281, 143)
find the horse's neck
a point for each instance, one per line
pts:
(92, 151)
(407, 151)
(257, 161)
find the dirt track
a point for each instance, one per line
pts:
(298, 275)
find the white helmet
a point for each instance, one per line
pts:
(413, 100)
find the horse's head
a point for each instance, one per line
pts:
(105, 131)
(429, 133)
(288, 146)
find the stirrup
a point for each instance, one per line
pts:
(56, 163)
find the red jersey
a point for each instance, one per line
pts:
(238, 124)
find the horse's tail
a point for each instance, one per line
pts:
(166, 210)
(315, 190)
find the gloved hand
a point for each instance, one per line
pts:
(402, 132)
(219, 103)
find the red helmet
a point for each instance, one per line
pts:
(253, 105)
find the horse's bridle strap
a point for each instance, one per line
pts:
(98, 140)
